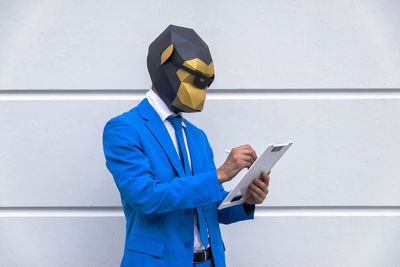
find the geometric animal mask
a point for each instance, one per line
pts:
(181, 68)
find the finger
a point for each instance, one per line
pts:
(249, 151)
(260, 193)
(261, 184)
(241, 161)
(244, 164)
(257, 198)
(250, 199)
(243, 146)
(247, 158)
(253, 152)
(265, 178)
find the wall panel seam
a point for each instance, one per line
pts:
(262, 211)
(212, 94)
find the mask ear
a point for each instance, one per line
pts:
(166, 53)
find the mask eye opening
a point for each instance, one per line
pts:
(200, 80)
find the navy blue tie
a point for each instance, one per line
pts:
(177, 123)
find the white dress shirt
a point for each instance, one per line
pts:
(164, 112)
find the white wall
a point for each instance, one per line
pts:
(255, 44)
(324, 74)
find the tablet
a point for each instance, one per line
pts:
(265, 163)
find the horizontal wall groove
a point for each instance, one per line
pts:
(261, 211)
(212, 94)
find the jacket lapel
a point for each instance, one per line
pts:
(156, 126)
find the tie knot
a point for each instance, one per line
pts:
(176, 121)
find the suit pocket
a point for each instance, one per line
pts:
(145, 244)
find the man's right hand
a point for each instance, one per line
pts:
(239, 158)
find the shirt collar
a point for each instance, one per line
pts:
(160, 107)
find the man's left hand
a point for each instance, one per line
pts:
(258, 189)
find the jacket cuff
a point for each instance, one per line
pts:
(210, 188)
(249, 210)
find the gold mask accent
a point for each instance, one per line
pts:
(190, 98)
(167, 53)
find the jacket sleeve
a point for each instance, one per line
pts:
(137, 183)
(234, 213)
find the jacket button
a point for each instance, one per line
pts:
(188, 212)
(187, 244)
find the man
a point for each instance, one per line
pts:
(164, 166)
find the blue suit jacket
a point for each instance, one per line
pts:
(157, 197)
